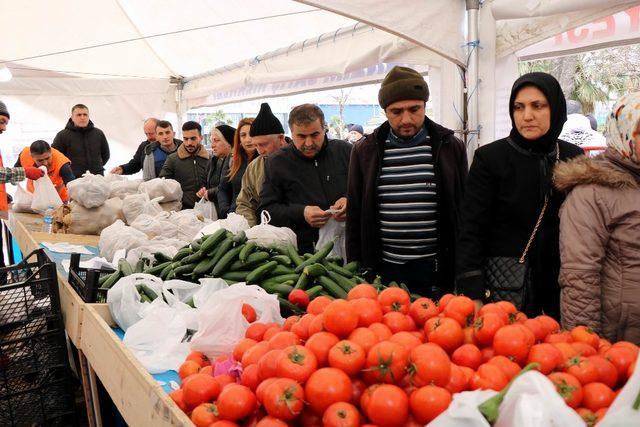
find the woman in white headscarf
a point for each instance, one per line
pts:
(600, 231)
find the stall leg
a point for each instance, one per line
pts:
(90, 392)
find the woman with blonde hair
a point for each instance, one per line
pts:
(234, 167)
(600, 231)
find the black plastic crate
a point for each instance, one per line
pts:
(35, 377)
(85, 281)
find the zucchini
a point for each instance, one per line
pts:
(314, 292)
(246, 251)
(204, 266)
(124, 267)
(342, 281)
(315, 270)
(332, 287)
(303, 280)
(317, 257)
(182, 253)
(282, 259)
(332, 266)
(161, 257)
(260, 272)
(213, 240)
(236, 276)
(156, 270)
(294, 255)
(226, 260)
(353, 266)
(111, 280)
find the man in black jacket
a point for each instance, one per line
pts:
(83, 143)
(306, 183)
(405, 186)
(135, 164)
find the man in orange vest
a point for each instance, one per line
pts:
(58, 166)
(12, 175)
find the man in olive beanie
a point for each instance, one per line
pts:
(405, 186)
(267, 134)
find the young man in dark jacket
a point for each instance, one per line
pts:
(405, 186)
(188, 165)
(306, 179)
(83, 143)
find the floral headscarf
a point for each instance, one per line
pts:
(621, 125)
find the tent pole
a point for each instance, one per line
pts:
(179, 82)
(471, 113)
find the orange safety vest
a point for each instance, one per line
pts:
(4, 203)
(57, 161)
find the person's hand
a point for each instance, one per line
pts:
(117, 170)
(203, 193)
(33, 173)
(341, 206)
(315, 216)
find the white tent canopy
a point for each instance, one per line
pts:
(129, 59)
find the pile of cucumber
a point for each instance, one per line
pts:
(230, 257)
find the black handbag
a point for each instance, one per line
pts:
(509, 278)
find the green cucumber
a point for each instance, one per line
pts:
(280, 270)
(353, 266)
(294, 255)
(226, 260)
(283, 288)
(338, 260)
(291, 307)
(280, 279)
(213, 240)
(124, 267)
(282, 259)
(246, 251)
(342, 281)
(196, 245)
(204, 266)
(261, 271)
(140, 266)
(252, 260)
(314, 292)
(332, 287)
(241, 237)
(222, 249)
(317, 257)
(171, 275)
(161, 257)
(315, 270)
(156, 270)
(165, 271)
(103, 279)
(184, 252)
(303, 280)
(332, 266)
(236, 276)
(184, 270)
(112, 279)
(193, 258)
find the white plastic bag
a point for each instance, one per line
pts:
(621, 412)
(119, 236)
(123, 188)
(124, 300)
(168, 189)
(234, 223)
(90, 191)
(333, 231)
(153, 226)
(44, 193)
(22, 201)
(532, 401)
(268, 236)
(221, 323)
(138, 204)
(168, 247)
(463, 410)
(189, 222)
(76, 219)
(207, 209)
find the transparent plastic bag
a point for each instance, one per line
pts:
(621, 412)
(123, 188)
(157, 225)
(138, 204)
(221, 323)
(207, 209)
(234, 223)
(333, 231)
(269, 236)
(76, 219)
(22, 201)
(463, 410)
(124, 300)
(119, 236)
(44, 194)
(168, 189)
(189, 222)
(90, 191)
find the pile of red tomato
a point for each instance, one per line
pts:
(380, 359)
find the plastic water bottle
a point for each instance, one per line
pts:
(47, 221)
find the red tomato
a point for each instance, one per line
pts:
(447, 333)
(634, 348)
(585, 335)
(301, 328)
(461, 309)
(467, 355)
(457, 379)
(597, 395)
(621, 357)
(428, 402)
(363, 290)
(347, 356)
(253, 354)
(558, 337)
(607, 372)
(176, 396)
(382, 331)
(236, 401)
(250, 376)
(568, 350)
(199, 358)
(512, 342)
(488, 353)
(365, 337)
(188, 368)
(550, 324)
(318, 304)
(341, 414)
(368, 311)
(224, 379)
(388, 405)
(397, 322)
(509, 367)
(284, 399)
(283, 339)
(394, 299)
(582, 368)
(340, 318)
(589, 417)
(508, 307)
(316, 325)
(443, 301)
(309, 419)
(568, 387)
(537, 327)
(249, 313)
(469, 337)
(242, 346)
(488, 376)
(272, 331)
(358, 387)
(430, 365)
(386, 362)
(422, 310)
(486, 326)
(583, 349)
(326, 386)
(299, 297)
(200, 388)
(406, 339)
(296, 362)
(255, 331)
(320, 344)
(262, 387)
(270, 421)
(204, 415)
(548, 356)
(223, 423)
(268, 364)
(494, 308)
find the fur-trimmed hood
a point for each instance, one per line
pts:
(597, 171)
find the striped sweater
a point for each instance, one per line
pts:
(407, 199)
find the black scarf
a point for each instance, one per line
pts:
(544, 148)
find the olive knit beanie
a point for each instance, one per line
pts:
(401, 84)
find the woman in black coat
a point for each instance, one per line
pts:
(505, 192)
